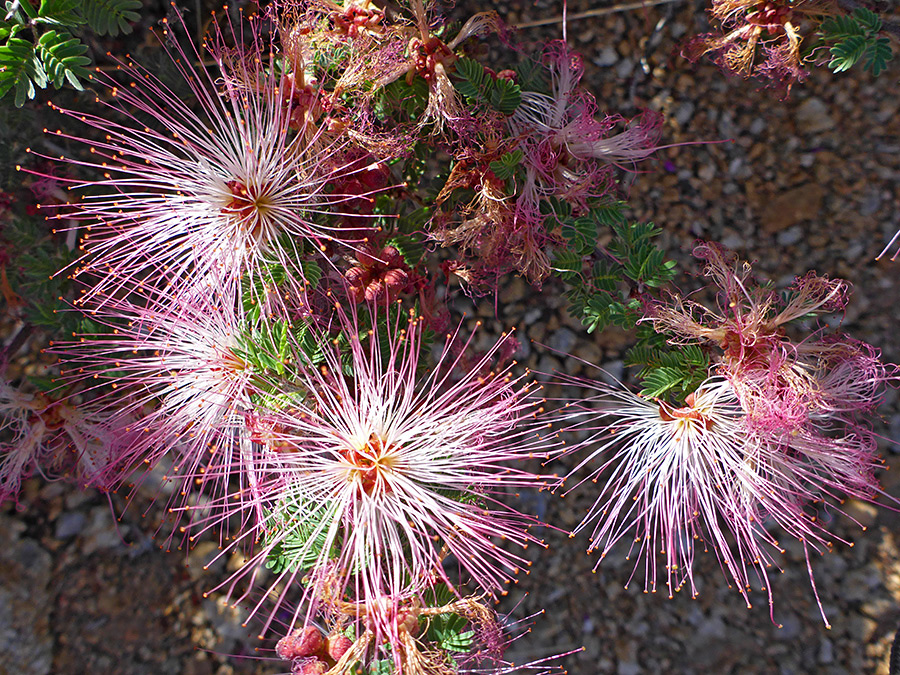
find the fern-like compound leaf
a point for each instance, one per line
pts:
(20, 70)
(876, 56)
(111, 17)
(60, 13)
(63, 58)
(847, 52)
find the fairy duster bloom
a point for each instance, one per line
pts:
(397, 468)
(780, 382)
(779, 433)
(681, 477)
(180, 389)
(678, 480)
(198, 194)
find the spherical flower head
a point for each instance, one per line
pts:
(705, 473)
(681, 478)
(203, 196)
(398, 468)
(180, 388)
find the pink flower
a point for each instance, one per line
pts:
(782, 428)
(682, 480)
(780, 382)
(180, 390)
(397, 468)
(206, 195)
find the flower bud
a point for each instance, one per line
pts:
(302, 642)
(337, 645)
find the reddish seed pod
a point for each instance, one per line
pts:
(392, 257)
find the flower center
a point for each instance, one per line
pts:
(687, 418)
(248, 206)
(371, 466)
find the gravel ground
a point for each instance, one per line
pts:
(811, 182)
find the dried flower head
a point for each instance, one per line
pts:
(43, 433)
(762, 37)
(779, 381)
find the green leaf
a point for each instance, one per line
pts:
(409, 100)
(379, 667)
(604, 277)
(473, 82)
(471, 78)
(25, 6)
(660, 380)
(111, 17)
(438, 595)
(312, 273)
(448, 632)
(531, 75)
(21, 69)
(411, 248)
(855, 38)
(300, 528)
(63, 58)
(60, 13)
(840, 27)
(505, 96)
(876, 56)
(415, 221)
(568, 263)
(610, 214)
(505, 167)
(597, 312)
(847, 52)
(867, 19)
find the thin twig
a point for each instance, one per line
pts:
(600, 11)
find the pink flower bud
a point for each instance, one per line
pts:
(310, 666)
(337, 646)
(302, 642)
